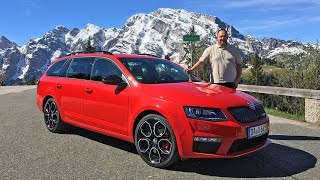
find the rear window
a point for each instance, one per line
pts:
(55, 69)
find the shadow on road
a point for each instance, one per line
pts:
(107, 140)
(273, 161)
(284, 137)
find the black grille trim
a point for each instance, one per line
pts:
(243, 144)
(244, 114)
(205, 147)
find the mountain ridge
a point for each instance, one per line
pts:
(159, 32)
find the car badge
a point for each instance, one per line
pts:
(251, 105)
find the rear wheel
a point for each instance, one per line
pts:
(52, 117)
(155, 141)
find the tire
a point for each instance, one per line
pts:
(155, 141)
(52, 117)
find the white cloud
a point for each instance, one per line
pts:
(264, 3)
(29, 6)
(314, 19)
(258, 5)
(270, 24)
(263, 15)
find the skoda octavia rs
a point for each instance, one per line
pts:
(151, 102)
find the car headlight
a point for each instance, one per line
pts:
(208, 114)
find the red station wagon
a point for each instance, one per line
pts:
(168, 114)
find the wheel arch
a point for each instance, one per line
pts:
(45, 100)
(140, 116)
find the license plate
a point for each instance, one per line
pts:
(258, 130)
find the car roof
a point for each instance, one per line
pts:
(134, 56)
(106, 53)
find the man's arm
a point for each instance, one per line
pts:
(195, 67)
(239, 72)
(201, 61)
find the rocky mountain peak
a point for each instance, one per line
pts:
(57, 32)
(92, 29)
(5, 43)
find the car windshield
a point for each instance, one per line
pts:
(155, 71)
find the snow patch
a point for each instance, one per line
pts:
(92, 29)
(21, 69)
(55, 55)
(24, 71)
(286, 49)
(5, 66)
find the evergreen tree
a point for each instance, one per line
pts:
(311, 66)
(192, 51)
(32, 81)
(256, 70)
(89, 47)
(2, 79)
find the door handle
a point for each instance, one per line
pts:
(59, 86)
(88, 90)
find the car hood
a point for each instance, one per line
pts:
(198, 94)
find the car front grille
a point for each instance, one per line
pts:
(244, 114)
(243, 144)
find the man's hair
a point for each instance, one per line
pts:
(221, 30)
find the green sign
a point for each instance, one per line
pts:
(191, 38)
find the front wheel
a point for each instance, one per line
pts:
(155, 141)
(52, 117)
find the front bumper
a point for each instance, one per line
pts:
(225, 139)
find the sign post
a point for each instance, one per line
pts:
(191, 38)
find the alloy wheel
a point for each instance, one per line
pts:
(155, 141)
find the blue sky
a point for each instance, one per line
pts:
(297, 20)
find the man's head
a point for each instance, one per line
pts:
(222, 37)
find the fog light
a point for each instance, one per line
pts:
(207, 139)
(206, 144)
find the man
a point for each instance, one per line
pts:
(226, 64)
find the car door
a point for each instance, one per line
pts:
(104, 104)
(71, 89)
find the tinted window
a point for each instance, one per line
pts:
(103, 68)
(56, 68)
(80, 68)
(153, 71)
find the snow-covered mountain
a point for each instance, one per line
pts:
(159, 33)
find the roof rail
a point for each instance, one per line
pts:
(83, 52)
(146, 54)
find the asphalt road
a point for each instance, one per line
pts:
(29, 151)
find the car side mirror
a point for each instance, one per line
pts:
(122, 84)
(114, 80)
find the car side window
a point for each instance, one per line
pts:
(55, 69)
(63, 72)
(103, 68)
(80, 68)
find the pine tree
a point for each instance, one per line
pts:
(2, 79)
(32, 81)
(192, 51)
(256, 70)
(88, 47)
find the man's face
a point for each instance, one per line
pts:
(222, 38)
